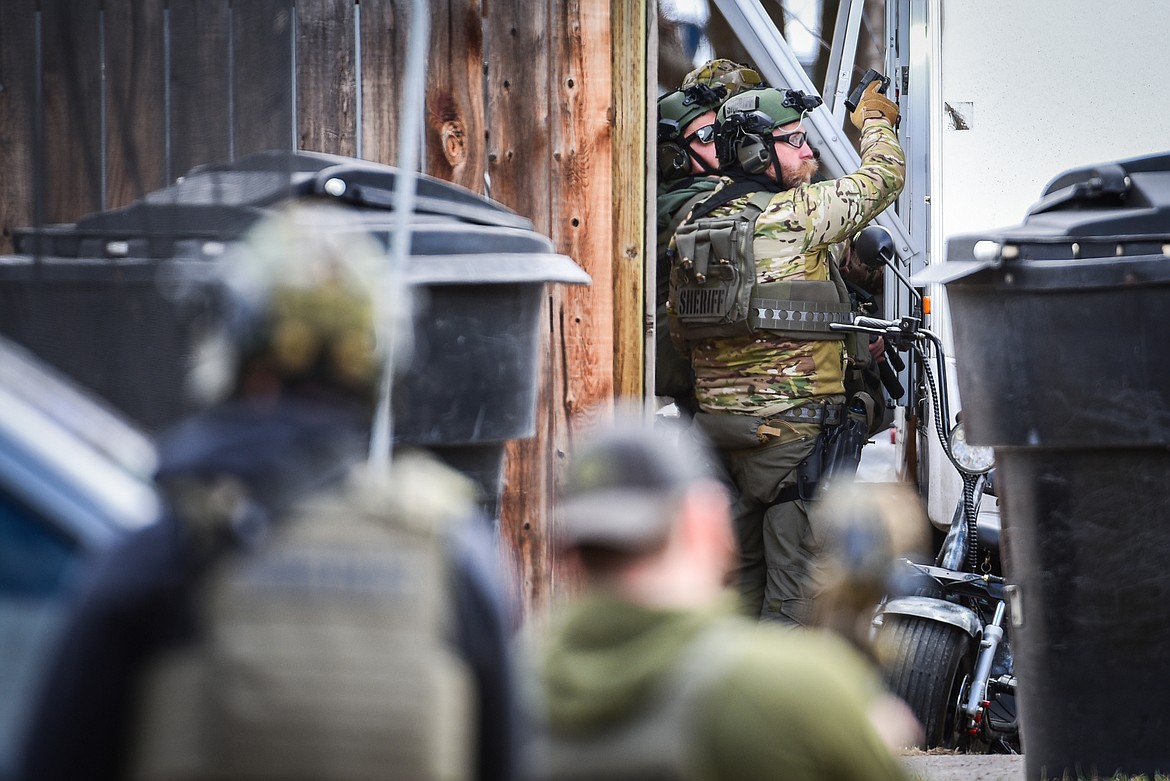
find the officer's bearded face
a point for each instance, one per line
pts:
(796, 166)
(802, 173)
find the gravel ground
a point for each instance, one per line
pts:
(963, 767)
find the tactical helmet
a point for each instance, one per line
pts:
(306, 298)
(735, 77)
(676, 110)
(753, 114)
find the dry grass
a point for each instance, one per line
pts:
(1157, 777)
(1117, 777)
(918, 752)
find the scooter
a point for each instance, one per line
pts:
(945, 638)
(943, 632)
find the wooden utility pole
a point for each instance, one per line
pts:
(632, 91)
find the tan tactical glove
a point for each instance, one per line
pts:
(872, 105)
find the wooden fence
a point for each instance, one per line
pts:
(102, 101)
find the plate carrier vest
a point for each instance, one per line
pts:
(713, 287)
(322, 651)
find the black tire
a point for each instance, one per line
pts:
(929, 665)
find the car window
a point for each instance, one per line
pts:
(35, 559)
(37, 568)
(76, 410)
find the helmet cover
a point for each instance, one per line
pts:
(734, 77)
(307, 296)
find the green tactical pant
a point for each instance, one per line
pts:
(777, 545)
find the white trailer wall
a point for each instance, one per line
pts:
(1044, 86)
(1028, 89)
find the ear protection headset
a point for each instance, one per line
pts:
(675, 111)
(736, 143)
(752, 153)
(673, 160)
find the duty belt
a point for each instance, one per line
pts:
(824, 414)
(827, 415)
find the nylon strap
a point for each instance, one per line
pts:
(736, 189)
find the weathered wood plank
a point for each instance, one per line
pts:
(518, 111)
(455, 112)
(200, 85)
(384, 28)
(18, 119)
(631, 209)
(582, 200)
(262, 53)
(327, 118)
(518, 162)
(136, 149)
(583, 228)
(72, 130)
(525, 497)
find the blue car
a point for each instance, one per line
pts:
(75, 478)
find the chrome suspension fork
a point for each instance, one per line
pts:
(992, 635)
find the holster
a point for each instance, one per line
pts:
(808, 474)
(843, 444)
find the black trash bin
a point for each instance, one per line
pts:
(1063, 352)
(90, 297)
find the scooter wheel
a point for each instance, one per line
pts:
(928, 664)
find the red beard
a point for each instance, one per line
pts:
(801, 174)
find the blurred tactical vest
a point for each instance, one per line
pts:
(321, 652)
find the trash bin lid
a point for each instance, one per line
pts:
(503, 268)
(219, 202)
(1098, 226)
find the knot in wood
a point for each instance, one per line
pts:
(454, 139)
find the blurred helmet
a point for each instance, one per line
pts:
(306, 299)
(731, 75)
(865, 531)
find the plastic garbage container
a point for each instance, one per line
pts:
(87, 296)
(1063, 359)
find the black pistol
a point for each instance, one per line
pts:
(870, 76)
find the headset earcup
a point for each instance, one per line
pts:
(672, 160)
(753, 154)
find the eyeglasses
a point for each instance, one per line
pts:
(703, 134)
(795, 140)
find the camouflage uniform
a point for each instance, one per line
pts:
(743, 382)
(853, 270)
(672, 373)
